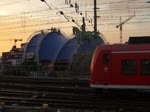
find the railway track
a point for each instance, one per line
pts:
(45, 81)
(22, 92)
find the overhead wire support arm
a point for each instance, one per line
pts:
(125, 21)
(76, 23)
(46, 3)
(121, 25)
(61, 12)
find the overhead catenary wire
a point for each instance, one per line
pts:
(104, 12)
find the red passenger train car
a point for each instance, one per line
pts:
(121, 67)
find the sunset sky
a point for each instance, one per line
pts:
(21, 18)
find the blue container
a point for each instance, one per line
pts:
(32, 47)
(90, 44)
(51, 45)
(68, 50)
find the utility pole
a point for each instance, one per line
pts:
(121, 25)
(95, 19)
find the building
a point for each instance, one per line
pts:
(14, 57)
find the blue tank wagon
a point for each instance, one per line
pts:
(51, 45)
(32, 47)
(65, 56)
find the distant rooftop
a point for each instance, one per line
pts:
(139, 40)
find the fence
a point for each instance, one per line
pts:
(25, 70)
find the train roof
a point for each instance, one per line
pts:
(125, 47)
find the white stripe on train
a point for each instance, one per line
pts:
(117, 52)
(120, 86)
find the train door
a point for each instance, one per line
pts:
(106, 67)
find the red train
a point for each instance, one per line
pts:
(121, 67)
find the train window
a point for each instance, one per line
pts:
(105, 58)
(128, 67)
(145, 67)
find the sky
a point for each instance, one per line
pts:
(20, 19)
